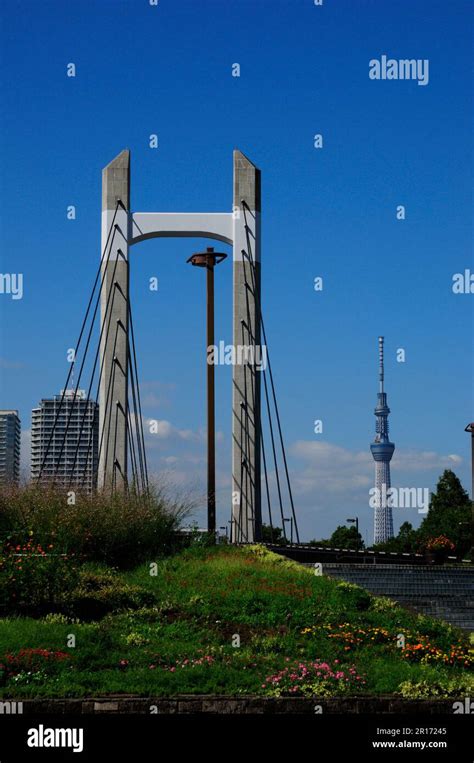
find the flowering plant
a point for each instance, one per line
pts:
(33, 578)
(32, 660)
(312, 679)
(441, 543)
(352, 636)
(187, 662)
(423, 651)
(417, 648)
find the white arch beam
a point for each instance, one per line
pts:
(216, 225)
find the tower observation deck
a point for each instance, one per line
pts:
(382, 452)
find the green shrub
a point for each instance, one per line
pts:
(462, 686)
(99, 593)
(383, 604)
(57, 618)
(355, 597)
(121, 529)
(34, 581)
(136, 639)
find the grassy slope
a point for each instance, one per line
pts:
(203, 598)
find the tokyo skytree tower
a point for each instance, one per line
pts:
(382, 451)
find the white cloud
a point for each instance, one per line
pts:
(328, 470)
(170, 460)
(155, 394)
(162, 429)
(423, 460)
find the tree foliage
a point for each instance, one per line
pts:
(346, 537)
(449, 514)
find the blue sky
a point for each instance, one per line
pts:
(327, 212)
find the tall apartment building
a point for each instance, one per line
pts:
(10, 431)
(60, 451)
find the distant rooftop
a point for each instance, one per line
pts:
(79, 393)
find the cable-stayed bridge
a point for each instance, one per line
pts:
(106, 363)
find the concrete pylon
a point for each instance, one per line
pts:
(246, 486)
(241, 228)
(114, 309)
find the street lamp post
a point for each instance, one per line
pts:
(470, 428)
(290, 520)
(226, 530)
(209, 259)
(355, 520)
